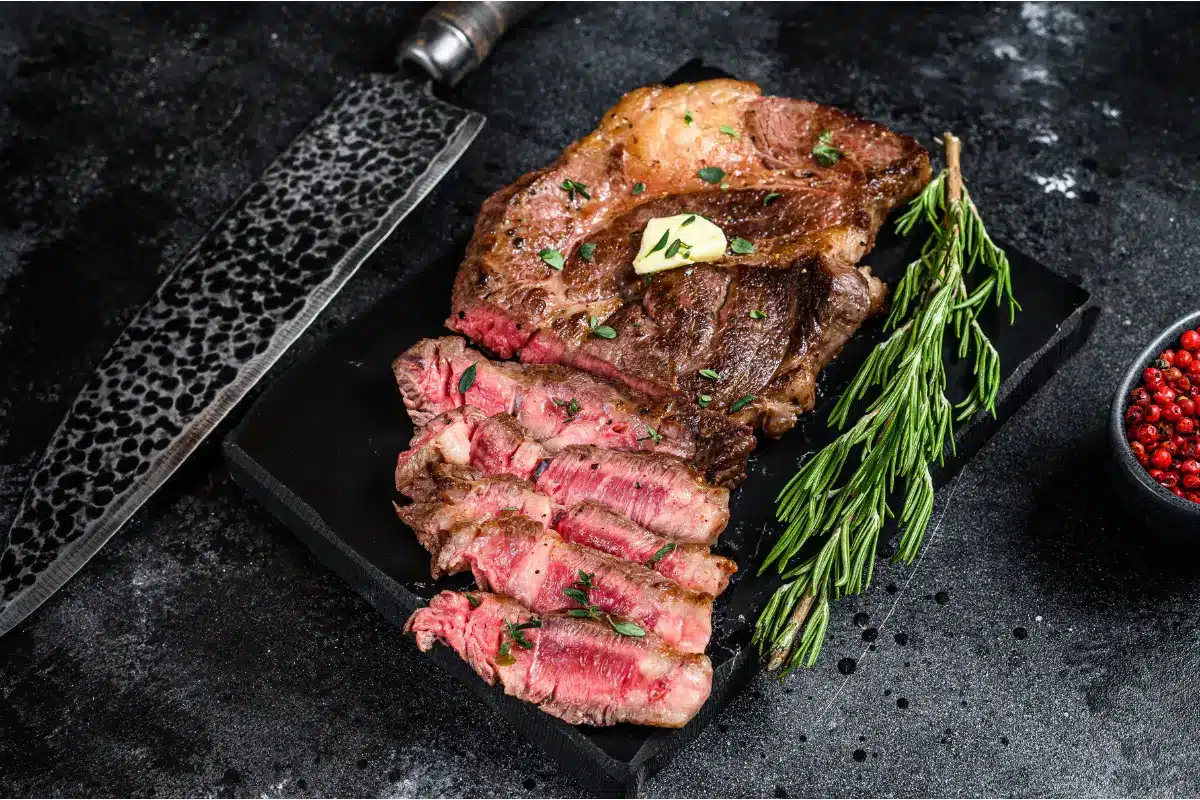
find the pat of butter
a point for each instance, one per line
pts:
(698, 240)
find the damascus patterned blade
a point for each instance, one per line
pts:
(227, 312)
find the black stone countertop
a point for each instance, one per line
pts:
(1040, 647)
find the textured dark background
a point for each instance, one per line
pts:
(1042, 646)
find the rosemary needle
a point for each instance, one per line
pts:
(842, 494)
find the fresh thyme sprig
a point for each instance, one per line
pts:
(843, 492)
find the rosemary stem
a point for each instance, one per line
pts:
(841, 496)
(954, 182)
(783, 647)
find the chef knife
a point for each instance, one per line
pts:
(242, 295)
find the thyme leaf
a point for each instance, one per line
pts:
(467, 379)
(660, 554)
(826, 154)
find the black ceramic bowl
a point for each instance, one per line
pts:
(1143, 498)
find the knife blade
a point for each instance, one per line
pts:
(242, 296)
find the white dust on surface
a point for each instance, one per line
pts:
(1064, 184)
(1055, 21)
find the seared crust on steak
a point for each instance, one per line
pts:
(819, 221)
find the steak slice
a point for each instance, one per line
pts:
(454, 496)
(578, 670)
(692, 566)
(515, 556)
(809, 223)
(446, 438)
(604, 413)
(656, 491)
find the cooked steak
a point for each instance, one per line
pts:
(809, 217)
(692, 566)
(579, 670)
(453, 496)
(561, 406)
(446, 438)
(517, 557)
(655, 490)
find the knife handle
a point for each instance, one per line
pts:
(454, 38)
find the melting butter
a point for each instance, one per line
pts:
(678, 241)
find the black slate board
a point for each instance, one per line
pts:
(318, 450)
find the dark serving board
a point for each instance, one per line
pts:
(319, 447)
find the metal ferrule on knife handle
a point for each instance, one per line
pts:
(454, 38)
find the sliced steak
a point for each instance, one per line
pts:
(455, 496)
(579, 670)
(656, 491)
(808, 221)
(516, 556)
(561, 407)
(692, 566)
(446, 438)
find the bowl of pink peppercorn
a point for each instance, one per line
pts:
(1154, 429)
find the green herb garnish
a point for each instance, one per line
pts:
(673, 249)
(660, 554)
(573, 188)
(639, 187)
(741, 403)
(741, 246)
(704, 400)
(711, 374)
(826, 154)
(587, 251)
(688, 221)
(661, 243)
(756, 314)
(711, 174)
(652, 434)
(591, 612)
(771, 198)
(472, 599)
(578, 595)
(466, 379)
(841, 496)
(571, 406)
(517, 632)
(728, 131)
(553, 258)
(687, 117)
(603, 331)
(626, 628)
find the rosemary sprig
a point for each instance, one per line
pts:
(843, 492)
